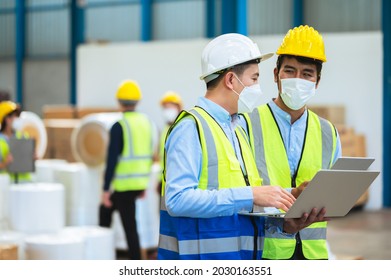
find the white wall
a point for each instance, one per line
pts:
(352, 76)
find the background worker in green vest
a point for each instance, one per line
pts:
(128, 165)
(9, 119)
(290, 142)
(209, 171)
(171, 104)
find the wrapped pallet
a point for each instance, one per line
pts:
(36, 207)
(82, 193)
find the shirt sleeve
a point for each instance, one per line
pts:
(114, 151)
(274, 227)
(183, 170)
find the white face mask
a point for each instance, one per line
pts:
(296, 92)
(17, 124)
(170, 114)
(249, 98)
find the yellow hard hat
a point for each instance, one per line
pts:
(171, 97)
(128, 91)
(7, 107)
(303, 41)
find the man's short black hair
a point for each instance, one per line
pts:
(237, 69)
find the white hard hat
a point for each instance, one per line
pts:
(228, 50)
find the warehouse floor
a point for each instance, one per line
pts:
(362, 234)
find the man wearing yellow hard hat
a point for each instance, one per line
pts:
(9, 113)
(171, 104)
(290, 142)
(128, 164)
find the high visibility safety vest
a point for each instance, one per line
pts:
(163, 136)
(273, 166)
(133, 169)
(228, 237)
(5, 150)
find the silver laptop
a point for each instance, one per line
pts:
(336, 190)
(352, 163)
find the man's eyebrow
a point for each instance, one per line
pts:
(290, 67)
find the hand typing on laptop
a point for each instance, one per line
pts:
(272, 196)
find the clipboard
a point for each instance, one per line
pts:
(22, 151)
(336, 190)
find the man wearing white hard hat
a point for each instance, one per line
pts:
(209, 172)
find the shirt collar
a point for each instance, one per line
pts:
(284, 115)
(216, 111)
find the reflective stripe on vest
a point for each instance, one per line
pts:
(162, 141)
(133, 169)
(207, 246)
(228, 237)
(272, 163)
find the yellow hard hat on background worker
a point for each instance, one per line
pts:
(171, 97)
(303, 41)
(6, 108)
(128, 90)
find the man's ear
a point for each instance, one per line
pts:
(317, 82)
(275, 71)
(228, 80)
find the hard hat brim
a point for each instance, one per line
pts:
(261, 58)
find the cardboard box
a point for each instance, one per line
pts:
(8, 252)
(334, 113)
(82, 112)
(59, 138)
(58, 112)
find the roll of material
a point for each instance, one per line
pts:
(56, 246)
(147, 215)
(90, 138)
(44, 169)
(4, 190)
(82, 192)
(37, 207)
(98, 241)
(14, 238)
(32, 124)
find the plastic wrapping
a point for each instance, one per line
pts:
(98, 241)
(54, 247)
(37, 207)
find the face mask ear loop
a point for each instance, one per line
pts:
(239, 82)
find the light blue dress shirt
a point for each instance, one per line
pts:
(292, 135)
(183, 170)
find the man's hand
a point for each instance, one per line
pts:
(106, 201)
(297, 191)
(294, 225)
(273, 196)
